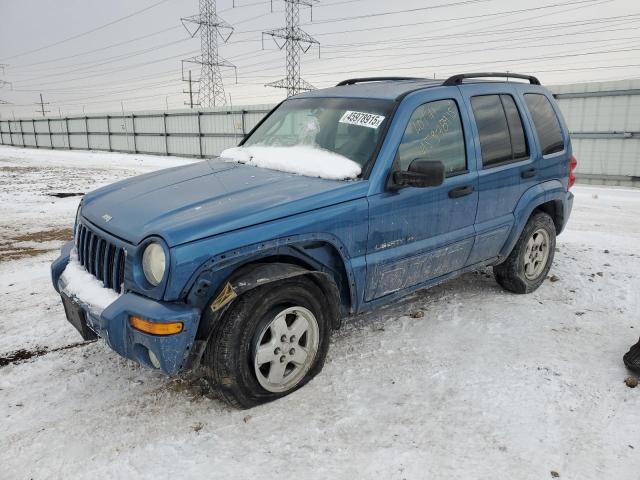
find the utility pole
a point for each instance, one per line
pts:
(190, 92)
(210, 25)
(42, 104)
(296, 41)
(4, 83)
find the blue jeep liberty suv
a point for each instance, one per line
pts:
(243, 271)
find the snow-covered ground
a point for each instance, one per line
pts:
(486, 385)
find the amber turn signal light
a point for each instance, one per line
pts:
(155, 328)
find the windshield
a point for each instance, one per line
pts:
(345, 126)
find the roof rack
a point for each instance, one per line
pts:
(457, 79)
(353, 81)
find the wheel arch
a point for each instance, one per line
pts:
(227, 276)
(547, 197)
(555, 210)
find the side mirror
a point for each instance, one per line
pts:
(421, 173)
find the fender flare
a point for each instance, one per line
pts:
(249, 277)
(552, 190)
(233, 259)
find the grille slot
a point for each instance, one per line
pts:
(101, 258)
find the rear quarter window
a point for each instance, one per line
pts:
(545, 122)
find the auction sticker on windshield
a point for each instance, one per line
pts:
(362, 119)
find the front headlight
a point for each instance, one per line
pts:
(75, 225)
(154, 263)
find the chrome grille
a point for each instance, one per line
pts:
(100, 258)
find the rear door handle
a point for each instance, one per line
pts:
(528, 173)
(461, 191)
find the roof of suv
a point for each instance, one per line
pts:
(390, 88)
(386, 89)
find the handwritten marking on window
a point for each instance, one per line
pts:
(433, 125)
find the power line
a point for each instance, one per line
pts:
(466, 17)
(484, 49)
(502, 40)
(146, 50)
(411, 45)
(452, 19)
(93, 85)
(493, 32)
(164, 83)
(106, 47)
(408, 10)
(412, 66)
(126, 67)
(73, 37)
(117, 58)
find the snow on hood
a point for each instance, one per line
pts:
(303, 160)
(85, 287)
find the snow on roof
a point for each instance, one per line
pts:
(85, 287)
(303, 160)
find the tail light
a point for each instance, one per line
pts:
(573, 163)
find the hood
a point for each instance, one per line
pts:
(202, 199)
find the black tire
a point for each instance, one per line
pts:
(632, 358)
(228, 361)
(511, 273)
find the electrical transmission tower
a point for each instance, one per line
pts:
(296, 41)
(211, 26)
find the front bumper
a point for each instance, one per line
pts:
(112, 323)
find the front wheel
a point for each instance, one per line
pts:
(270, 342)
(527, 266)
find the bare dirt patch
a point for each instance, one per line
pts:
(22, 354)
(18, 169)
(32, 244)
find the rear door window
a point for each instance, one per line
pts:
(493, 129)
(546, 123)
(502, 137)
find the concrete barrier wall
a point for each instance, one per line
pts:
(198, 133)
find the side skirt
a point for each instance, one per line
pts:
(428, 284)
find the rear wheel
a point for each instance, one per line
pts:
(527, 266)
(270, 342)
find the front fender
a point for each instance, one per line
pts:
(206, 280)
(537, 195)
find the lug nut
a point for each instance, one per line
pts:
(276, 351)
(292, 351)
(293, 339)
(283, 338)
(282, 359)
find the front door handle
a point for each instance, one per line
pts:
(528, 173)
(461, 191)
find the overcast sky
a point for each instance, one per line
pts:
(50, 48)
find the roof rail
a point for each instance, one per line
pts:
(353, 81)
(457, 79)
